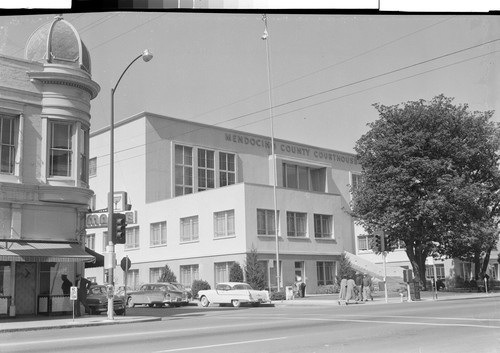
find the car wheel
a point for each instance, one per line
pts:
(204, 301)
(130, 302)
(236, 303)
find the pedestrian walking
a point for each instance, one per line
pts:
(358, 279)
(351, 291)
(367, 287)
(83, 286)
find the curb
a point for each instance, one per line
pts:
(43, 324)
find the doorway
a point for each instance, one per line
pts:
(25, 294)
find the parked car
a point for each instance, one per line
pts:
(155, 294)
(97, 300)
(186, 293)
(235, 293)
(120, 290)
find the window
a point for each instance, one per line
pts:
(189, 229)
(7, 145)
(90, 241)
(60, 152)
(106, 238)
(206, 169)
(296, 224)
(132, 238)
(83, 148)
(304, 178)
(133, 279)
(227, 169)
(323, 226)
(158, 234)
(183, 170)
(266, 222)
(355, 181)
(189, 274)
(154, 274)
(224, 224)
(93, 167)
(363, 243)
(325, 272)
(222, 271)
(429, 271)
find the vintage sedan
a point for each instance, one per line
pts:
(186, 293)
(97, 300)
(155, 294)
(234, 293)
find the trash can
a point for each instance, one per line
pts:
(381, 286)
(289, 292)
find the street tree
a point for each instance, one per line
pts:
(236, 273)
(167, 275)
(430, 179)
(254, 271)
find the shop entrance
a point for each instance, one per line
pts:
(25, 294)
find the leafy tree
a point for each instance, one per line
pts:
(430, 179)
(345, 268)
(198, 285)
(236, 273)
(167, 275)
(255, 272)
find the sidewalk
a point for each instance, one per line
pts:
(57, 322)
(379, 298)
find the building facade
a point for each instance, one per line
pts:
(44, 190)
(199, 198)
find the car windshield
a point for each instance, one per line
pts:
(97, 290)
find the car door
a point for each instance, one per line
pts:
(223, 294)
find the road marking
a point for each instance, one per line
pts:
(221, 345)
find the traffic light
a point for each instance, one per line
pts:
(376, 243)
(119, 228)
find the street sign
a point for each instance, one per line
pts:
(73, 293)
(125, 263)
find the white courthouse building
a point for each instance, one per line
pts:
(199, 198)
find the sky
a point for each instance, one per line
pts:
(326, 71)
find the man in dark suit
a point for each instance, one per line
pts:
(83, 286)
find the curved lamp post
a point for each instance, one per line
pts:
(146, 56)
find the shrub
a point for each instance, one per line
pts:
(275, 295)
(328, 289)
(235, 273)
(167, 275)
(199, 285)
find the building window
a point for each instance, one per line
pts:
(227, 169)
(183, 170)
(132, 238)
(7, 144)
(323, 226)
(106, 238)
(93, 167)
(189, 229)
(325, 272)
(206, 169)
(296, 224)
(189, 274)
(155, 274)
(429, 271)
(83, 139)
(158, 234)
(61, 153)
(266, 222)
(133, 279)
(222, 271)
(304, 178)
(363, 243)
(355, 181)
(90, 241)
(224, 224)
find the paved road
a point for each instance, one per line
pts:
(471, 325)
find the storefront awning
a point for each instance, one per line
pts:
(38, 251)
(99, 259)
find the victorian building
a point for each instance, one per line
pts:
(44, 191)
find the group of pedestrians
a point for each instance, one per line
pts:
(357, 288)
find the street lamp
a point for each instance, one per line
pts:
(146, 56)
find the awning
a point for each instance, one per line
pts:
(99, 259)
(39, 251)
